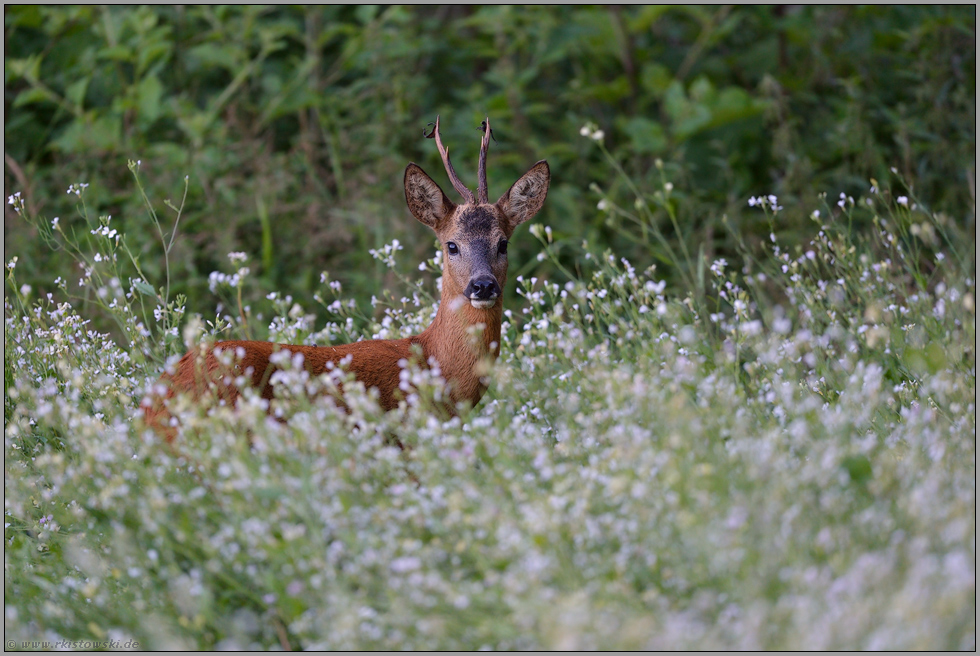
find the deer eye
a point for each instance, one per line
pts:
(502, 248)
(452, 248)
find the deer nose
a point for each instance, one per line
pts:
(483, 288)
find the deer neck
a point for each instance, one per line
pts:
(464, 341)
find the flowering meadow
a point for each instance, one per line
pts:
(777, 453)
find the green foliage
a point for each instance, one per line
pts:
(294, 124)
(714, 424)
(782, 456)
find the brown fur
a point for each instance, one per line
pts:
(453, 340)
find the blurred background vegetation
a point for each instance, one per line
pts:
(294, 125)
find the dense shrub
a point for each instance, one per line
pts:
(294, 124)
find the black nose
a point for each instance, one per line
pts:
(483, 288)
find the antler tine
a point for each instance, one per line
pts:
(444, 152)
(481, 189)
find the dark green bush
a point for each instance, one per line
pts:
(295, 124)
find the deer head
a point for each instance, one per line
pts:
(474, 234)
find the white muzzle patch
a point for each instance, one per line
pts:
(483, 303)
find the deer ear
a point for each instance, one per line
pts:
(425, 199)
(526, 196)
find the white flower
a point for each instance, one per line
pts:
(16, 201)
(903, 200)
(592, 131)
(718, 266)
(815, 214)
(405, 564)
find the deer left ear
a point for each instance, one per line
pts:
(425, 198)
(526, 196)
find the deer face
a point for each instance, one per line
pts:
(474, 235)
(474, 249)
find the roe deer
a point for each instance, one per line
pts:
(474, 247)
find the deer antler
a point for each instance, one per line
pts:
(481, 189)
(444, 152)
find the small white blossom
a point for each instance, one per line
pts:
(592, 131)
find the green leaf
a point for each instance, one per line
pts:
(149, 92)
(144, 288)
(655, 78)
(209, 55)
(646, 136)
(86, 134)
(116, 53)
(75, 92)
(33, 95)
(858, 468)
(29, 67)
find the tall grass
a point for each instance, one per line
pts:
(780, 454)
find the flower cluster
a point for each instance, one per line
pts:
(769, 202)
(386, 253)
(592, 131)
(785, 460)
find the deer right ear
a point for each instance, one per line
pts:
(425, 199)
(526, 196)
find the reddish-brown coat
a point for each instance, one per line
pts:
(455, 340)
(463, 339)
